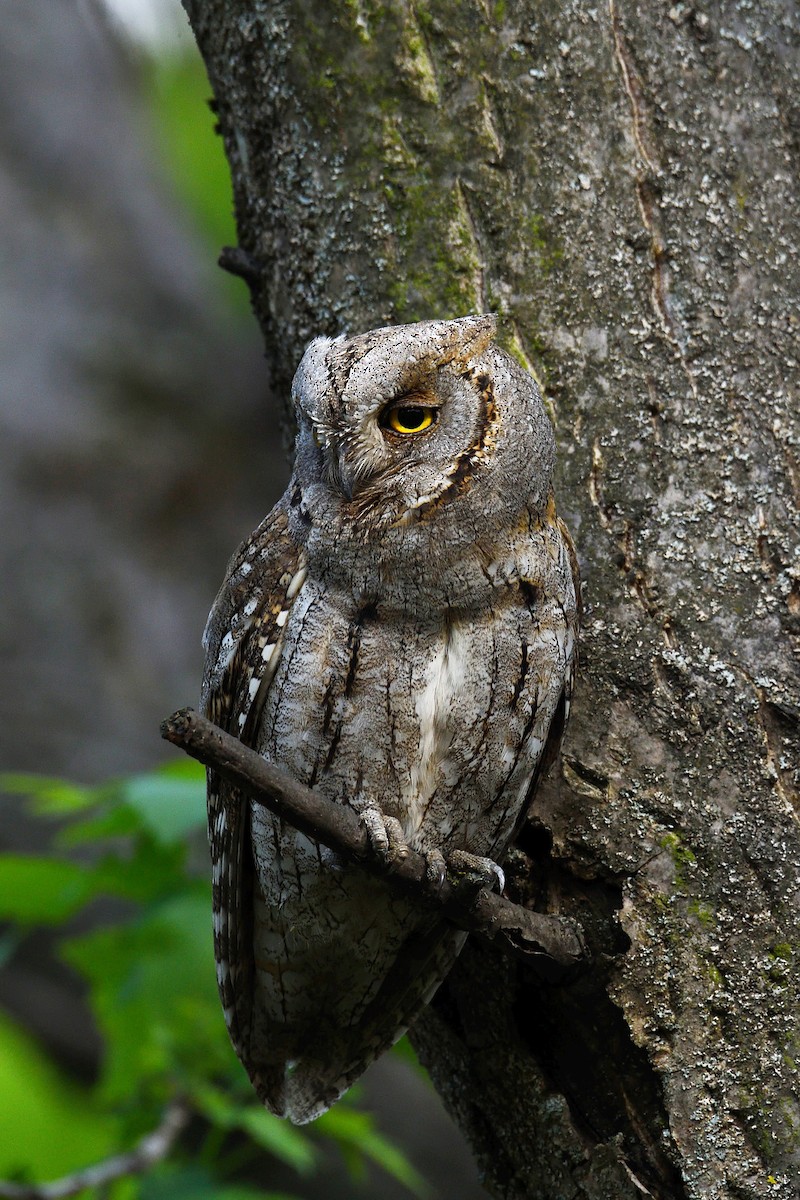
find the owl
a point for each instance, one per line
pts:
(399, 633)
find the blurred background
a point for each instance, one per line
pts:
(139, 443)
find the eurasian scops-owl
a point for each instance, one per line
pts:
(400, 633)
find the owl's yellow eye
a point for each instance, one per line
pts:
(410, 418)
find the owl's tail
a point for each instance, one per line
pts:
(325, 1070)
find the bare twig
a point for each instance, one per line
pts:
(553, 940)
(237, 261)
(151, 1149)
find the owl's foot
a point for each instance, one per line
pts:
(435, 871)
(385, 835)
(468, 873)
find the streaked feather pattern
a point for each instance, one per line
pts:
(400, 631)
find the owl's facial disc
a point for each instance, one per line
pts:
(376, 439)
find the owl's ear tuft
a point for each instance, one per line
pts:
(435, 344)
(471, 335)
(310, 382)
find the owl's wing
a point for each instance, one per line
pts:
(243, 641)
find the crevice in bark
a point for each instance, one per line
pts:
(578, 1036)
(572, 1034)
(480, 266)
(780, 726)
(608, 1082)
(648, 196)
(634, 91)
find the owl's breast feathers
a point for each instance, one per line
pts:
(444, 720)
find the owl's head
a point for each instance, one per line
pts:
(415, 431)
(401, 421)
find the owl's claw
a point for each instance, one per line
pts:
(435, 871)
(466, 873)
(471, 872)
(385, 835)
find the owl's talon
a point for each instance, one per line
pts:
(398, 847)
(385, 836)
(435, 871)
(372, 820)
(471, 872)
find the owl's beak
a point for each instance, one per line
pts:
(345, 468)
(344, 478)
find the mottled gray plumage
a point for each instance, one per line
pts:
(399, 632)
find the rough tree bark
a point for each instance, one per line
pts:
(620, 183)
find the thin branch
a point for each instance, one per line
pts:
(552, 940)
(151, 1149)
(237, 261)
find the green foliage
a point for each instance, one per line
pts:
(184, 130)
(178, 91)
(150, 980)
(193, 1183)
(358, 1140)
(42, 891)
(34, 1097)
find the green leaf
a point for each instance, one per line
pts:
(169, 806)
(214, 1104)
(356, 1136)
(183, 767)
(266, 1130)
(41, 891)
(279, 1137)
(168, 802)
(150, 872)
(154, 996)
(49, 797)
(47, 891)
(105, 823)
(152, 986)
(49, 1125)
(193, 1183)
(404, 1050)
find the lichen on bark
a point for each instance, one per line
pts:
(620, 184)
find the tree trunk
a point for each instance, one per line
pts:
(620, 184)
